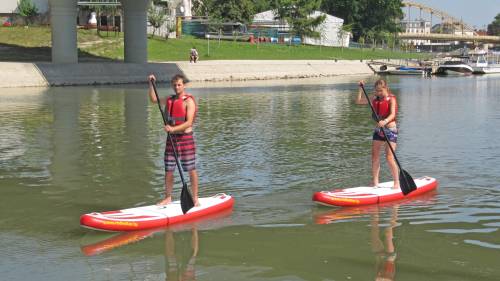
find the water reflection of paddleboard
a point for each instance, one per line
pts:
(154, 216)
(107, 243)
(365, 195)
(357, 212)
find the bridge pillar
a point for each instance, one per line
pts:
(135, 30)
(63, 25)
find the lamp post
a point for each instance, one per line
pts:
(208, 44)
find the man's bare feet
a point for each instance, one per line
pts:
(165, 201)
(196, 202)
(395, 187)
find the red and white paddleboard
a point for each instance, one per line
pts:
(124, 238)
(154, 215)
(365, 195)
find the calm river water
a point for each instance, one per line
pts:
(72, 150)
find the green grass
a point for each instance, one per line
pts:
(174, 49)
(33, 43)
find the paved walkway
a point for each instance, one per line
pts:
(94, 73)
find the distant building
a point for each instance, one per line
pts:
(266, 24)
(420, 26)
(481, 32)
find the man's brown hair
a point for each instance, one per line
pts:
(177, 77)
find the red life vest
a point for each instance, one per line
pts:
(382, 106)
(176, 110)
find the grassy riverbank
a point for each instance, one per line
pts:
(33, 44)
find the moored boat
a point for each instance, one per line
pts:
(491, 68)
(404, 70)
(453, 67)
(482, 65)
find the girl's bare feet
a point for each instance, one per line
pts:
(196, 202)
(396, 185)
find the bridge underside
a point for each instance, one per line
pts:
(64, 36)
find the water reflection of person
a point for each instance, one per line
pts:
(178, 265)
(385, 252)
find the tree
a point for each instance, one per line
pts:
(361, 42)
(366, 15)
(297, 13)
(263, 5)
(370, 35)
(494, 26)
(28, 10)
(157, 15)
(229, 10)
(344, 32)
(200, 7)
(348, 10)
(381, 15)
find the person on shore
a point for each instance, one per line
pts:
(180, 109)
(385, 105)
(193, 55)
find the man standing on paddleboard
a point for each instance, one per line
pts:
(181, 112)
(385, 106)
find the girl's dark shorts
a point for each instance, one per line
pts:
(391, 133)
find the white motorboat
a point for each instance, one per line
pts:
(491, 68)
(481, 65)
(454, 67)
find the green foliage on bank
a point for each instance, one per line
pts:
(372, 20)
(369, 19)
(174, 49)
(33, 44)
(494, 26)
(27, 8)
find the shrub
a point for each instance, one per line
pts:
(27, 9)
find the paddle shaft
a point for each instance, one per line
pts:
(169, 137)
(383, 132)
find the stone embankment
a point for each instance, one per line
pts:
(97, 73)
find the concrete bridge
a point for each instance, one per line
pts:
(64, 44)
(451, 37)
(445, 17)
(468, 34)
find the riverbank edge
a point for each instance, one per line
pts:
(46, 74)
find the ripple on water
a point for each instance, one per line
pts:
(467, 213)
(482, 244)
(268, 147)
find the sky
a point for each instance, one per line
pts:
(478, 13)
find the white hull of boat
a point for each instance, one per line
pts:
(487, 69)
(459, 69)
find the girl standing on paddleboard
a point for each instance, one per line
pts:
(385, 105)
